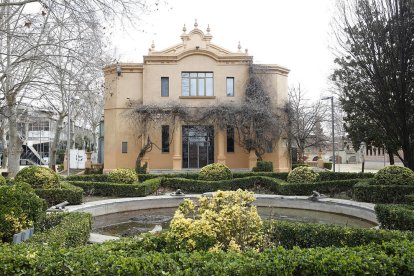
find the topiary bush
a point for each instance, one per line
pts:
(225, 221)
(20, 208)
(38, 177)
(2, 181)
(214, 172)
(127, 176)
(394, 175)
(301, 175)
(263, 166)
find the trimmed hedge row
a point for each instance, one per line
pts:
(308, 235)
(202, 186)
(392, 216)
(258, 183)
(323, 176)
(64, 230)
(117, 189)
(89, 178)
(126, 257)
(67, 192)
(326, 187)
(364, 191)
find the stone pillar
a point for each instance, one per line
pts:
(320, 160)
(221, 157)
(177, 152)
(65, 162)
(252, 159)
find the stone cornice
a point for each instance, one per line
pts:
(125, 67)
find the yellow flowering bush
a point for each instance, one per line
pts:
(225, 221)
(127, 176)
(302, 175)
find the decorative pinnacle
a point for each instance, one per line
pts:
(184, 29)
(152, 45)
(208, 28)
(239, 46)
(195, 24)
(246, 51)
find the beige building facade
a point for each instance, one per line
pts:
(194, 73)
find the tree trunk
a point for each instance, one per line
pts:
(391, 157)
(408, 156)
(56, 136)
(15, 143)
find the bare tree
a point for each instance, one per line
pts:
(305, 119)
(29, 39)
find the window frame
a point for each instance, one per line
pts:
(227, 86)
(197, 85)
(230, 142)
(124, 147)
(163, 79)
(165, 140)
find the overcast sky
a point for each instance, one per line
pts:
(292, 33)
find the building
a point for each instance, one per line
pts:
(195, 73)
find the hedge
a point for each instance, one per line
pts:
(307, 235)
(202, 186)
(126, 257)
(89, 178)
(63, 230)
(392, 216)
(67, 192)
(118, 189)
(323, 176)
(330, 188)
(366, 192)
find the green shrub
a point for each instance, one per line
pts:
(89, 178)
(201, 186)
(66, 192)
(330, 188)
(367, 192)
(38, 177)
(144, 177)
(302, 175)
(409, 199)
(310, 235)
(64, 230)
(126, 257)
(394, 175)
(327, 165)
(89, 171)
(329, 176)
(3, 181)
(119, 189)
(225, 221)
(263, 166)
(127, 176)
(294, 166)
(215, 172)
(20, 208)
(400, 217)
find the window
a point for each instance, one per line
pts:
(230, 139)
(165, 86)
(196, 84)
(165, 138)
(230, 87)
(124, 147)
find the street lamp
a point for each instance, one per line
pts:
(333, 130)
(71, 99)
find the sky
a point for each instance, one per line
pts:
(292, 33)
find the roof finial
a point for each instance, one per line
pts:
(239, 46)
(152, 45)
(195, 24)
(208, 28)
(246, 51)
(184, 29)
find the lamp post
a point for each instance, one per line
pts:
(333, 130)
(70, 99)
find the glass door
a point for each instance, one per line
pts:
(198, 146)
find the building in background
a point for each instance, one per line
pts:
(194, 73)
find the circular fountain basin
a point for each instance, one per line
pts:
(130, 216)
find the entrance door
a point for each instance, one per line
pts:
(198, 146)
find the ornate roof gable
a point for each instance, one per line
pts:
(196, 42)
